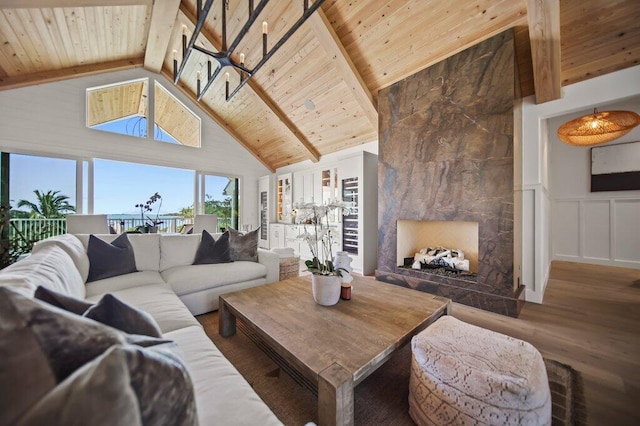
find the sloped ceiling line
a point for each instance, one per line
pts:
(52, 76)
(168, 74)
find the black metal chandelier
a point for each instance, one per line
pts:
(224, 58)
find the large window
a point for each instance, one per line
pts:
(42, 191)
(119, 187)
(136, 197)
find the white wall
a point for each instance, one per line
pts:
(592, 227)
(49, 119)
(537, 178)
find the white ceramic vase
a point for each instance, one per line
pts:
(343, 260)
(326, 289)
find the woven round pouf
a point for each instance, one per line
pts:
(463, 374)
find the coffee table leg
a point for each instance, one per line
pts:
(335, 396)
(226, 321)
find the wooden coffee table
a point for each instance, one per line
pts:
(332, 348)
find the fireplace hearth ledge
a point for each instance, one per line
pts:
(504, 305)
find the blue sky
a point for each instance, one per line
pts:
(118, 188)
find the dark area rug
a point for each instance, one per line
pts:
(381, 399)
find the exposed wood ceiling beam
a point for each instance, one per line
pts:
(544, 33)
(331, 43)
(168, 74)
(68, 73)
(163, 18)
(311, 150)
(32, 4)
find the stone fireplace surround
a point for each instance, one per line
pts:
(446, 154)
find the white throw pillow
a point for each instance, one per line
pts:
(178, 250)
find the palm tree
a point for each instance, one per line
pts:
(50, 205)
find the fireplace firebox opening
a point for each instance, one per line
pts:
(438, 245)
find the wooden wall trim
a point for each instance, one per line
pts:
(296, 134)
(16, 82)
(544, 33)
(163, 19)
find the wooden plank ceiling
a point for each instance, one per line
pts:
(335, 63)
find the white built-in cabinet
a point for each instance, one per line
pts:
(353, 179)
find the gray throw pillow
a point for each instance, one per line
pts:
(126, 385)
(62, 301)
(244, 246)
(98, 394)
(108, 260)
(113, 312)
(67, 341)
(212, 251)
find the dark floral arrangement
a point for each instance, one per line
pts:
(146, 207)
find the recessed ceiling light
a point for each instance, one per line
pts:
(309, 104)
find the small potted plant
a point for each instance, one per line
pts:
(326, 279)
(150, 225)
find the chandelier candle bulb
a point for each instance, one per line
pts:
(242, 59)
(264, 39)
(226, 86)
(175, 63)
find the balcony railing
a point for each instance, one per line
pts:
(23, 232)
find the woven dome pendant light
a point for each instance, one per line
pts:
(597, 128)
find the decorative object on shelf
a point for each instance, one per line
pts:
(327, 278)
(151, 226)
(597, 128)
(227, 56)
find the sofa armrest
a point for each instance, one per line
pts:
(272, 261)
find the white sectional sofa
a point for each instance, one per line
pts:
(171, 290)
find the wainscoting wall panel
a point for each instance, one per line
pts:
(566, 228)
(596, 232)
(626, 227)
(603, 231)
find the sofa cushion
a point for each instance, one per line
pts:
(148, 387)
(160, 302)
(74, 248)
(178, 250)
(108, 260)
(146, 248)
(244, 246)
(62, 301)
(98, 393)
(223, 396)
(121, 282)
(115, 313)
(211, 251)
(25, 374)
(51, 267)
(192, 278)
(49, 344)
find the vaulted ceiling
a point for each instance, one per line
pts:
(338, 60)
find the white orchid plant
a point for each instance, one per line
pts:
(320, 238)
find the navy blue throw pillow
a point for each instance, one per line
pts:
(110, 260)
(212, 251)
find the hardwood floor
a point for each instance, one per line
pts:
(590, 319)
